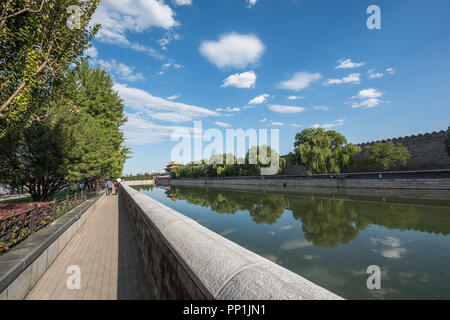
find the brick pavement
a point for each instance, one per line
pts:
(105, 250)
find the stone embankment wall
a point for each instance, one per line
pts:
(139, 182)
(184, 260)
(427, 153)
(397, 181)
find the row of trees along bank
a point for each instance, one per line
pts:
(318, 150)
(227, 165)
(59, 118)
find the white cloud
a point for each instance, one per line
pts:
(394, 252)
(294, 97)
(171, 117)
(233, 50)
(140, 131)
(285, 109)
(91, 52)
(248, 107)
(351, 78)
(263, 120)
(174, 97)
(275, 124)
(295, 125)
(295, 244)
(321, 108)
(222, 124)
(145, 49)
(388, 241)
(369, 93)
(370, 98)
(182, 2)
(241, 80)
(160, 108)
(121, 70)
(169, 36)
(300, 81)
(390, 70)
(374, 75)
(228, 109)
(117, 17)
(335, 124)
(259, 99)
(369, 103)
(251, 3)
(348, 64)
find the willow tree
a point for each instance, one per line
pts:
(38, 40)
(323, 151)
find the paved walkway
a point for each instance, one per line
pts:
(105, 250)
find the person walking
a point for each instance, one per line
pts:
(116, 187)
(109, 185)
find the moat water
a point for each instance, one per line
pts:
(332, 239)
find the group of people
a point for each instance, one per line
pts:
(110, 185)
(87, 186)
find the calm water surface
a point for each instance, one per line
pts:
(331, 240)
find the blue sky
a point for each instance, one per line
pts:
(285, 64)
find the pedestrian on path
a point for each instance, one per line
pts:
(116, 187)
(109, 185)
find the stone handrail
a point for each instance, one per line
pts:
(184, 260)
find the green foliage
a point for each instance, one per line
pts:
(325, 222)
(227, 165)
(329, 222)
(101, 141)
(386, 154)
(69, 145)
(36, 46)
(323, 151)
(138, 177)
(267, 209)
(447, 142)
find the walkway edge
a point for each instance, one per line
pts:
(22, 267)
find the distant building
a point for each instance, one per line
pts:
(165, 177)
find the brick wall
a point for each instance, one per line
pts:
(427, 153)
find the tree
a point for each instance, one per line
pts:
(37, 43)
(227, 165)
(330, 222)
(447, 142)
(38, 156)
(323, 151)
(386, 154)
(69, 145)
(92, 92)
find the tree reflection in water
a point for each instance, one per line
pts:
(325, 222)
